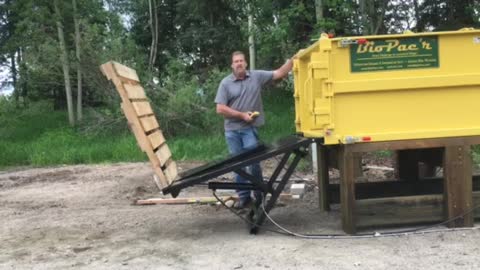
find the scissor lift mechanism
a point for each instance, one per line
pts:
(293, 146)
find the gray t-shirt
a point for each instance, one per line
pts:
(243, 95)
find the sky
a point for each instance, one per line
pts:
(4, 75)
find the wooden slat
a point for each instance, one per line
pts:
(134, 91)
(107, 70)
(372, 190)
(142, 108)
(399, 210)
(125, 72)
(158, 171)
(149, 123)
(156, 139)
(135, 126)
(171, 171)
(163, 154)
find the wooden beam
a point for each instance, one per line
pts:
(399, 210)
(182, 200)
(395, 188)
(282, 196)
(458, 184)
(322, 177)
(404, 210)
(347, 188)
(414, 144)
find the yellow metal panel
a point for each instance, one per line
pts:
(390, 87)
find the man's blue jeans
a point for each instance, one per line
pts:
(239, 141)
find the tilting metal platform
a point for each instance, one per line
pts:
(292, 146)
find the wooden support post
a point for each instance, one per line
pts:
(347, 188)
(322, 177)
(458, 185)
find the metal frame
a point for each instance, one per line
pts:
(293, 145)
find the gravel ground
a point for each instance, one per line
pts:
(82, 217)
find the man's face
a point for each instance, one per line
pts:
(239, 65)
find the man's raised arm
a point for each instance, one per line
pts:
(282, 71)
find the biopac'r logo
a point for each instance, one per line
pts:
(391, 45)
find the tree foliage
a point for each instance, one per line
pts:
(193, 42)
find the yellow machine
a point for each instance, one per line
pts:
(389, 87)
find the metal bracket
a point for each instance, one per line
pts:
(345, 42)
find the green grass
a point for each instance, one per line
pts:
(39, 136)
(65, 146)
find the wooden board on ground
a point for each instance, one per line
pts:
(182, 200)
(204, 200)
(142, 121)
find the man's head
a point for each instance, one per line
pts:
(239, 64)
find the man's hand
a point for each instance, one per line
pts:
(282, 71)
(254, 114)
(247, 117)
(250, 116)
(231, 113)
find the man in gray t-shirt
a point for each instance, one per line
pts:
(238, 97)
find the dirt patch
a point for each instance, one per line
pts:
(82, 217)
(20, 178)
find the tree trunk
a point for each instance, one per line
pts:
(22, 77)
(155, 15)
(319, 12)
(363, 17)
(13, 70)
(416, 12)
(371, 17)
(251, 40)
(379, 17)
(65, 63)
(152, 4)
(79, 66)
(372, 14)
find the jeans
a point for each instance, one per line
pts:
(239, 141)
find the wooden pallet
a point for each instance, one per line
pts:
(142, 121)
